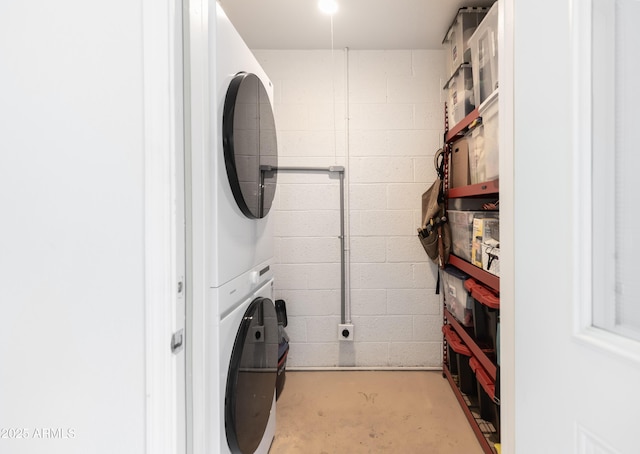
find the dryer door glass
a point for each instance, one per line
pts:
(251, 381)
(250, 145)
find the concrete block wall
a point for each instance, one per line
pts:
(395, 125)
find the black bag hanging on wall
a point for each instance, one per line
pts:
(435, 232)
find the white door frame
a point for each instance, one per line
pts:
(507, 207)
(162, 142)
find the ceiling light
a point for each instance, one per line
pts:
(328, 6)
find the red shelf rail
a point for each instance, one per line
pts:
(486, 362)
(480, 189)
(461, 126)
(490, 280)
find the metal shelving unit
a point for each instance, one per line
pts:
(486, 356)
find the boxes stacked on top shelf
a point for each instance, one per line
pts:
(461, 223)
(484, 159)
(457, 37)
(458, 301)
(460, 163)
(486, 307)
(484, 56)
(460, 355)
(459, 90)
(485, 249)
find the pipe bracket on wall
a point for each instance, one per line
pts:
(340, 170)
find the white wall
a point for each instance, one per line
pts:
(73, 370)
(395, 127)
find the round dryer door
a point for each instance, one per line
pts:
(250, 145)
(251, 381)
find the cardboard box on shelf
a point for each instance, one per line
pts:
(460, 163)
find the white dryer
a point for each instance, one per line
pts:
(244, 146)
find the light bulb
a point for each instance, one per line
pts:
(328, 6)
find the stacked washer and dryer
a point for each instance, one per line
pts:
(244, 362)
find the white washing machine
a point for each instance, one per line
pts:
(248, 361)
(245, 148)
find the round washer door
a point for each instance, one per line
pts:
(251, 381)
(250, 145)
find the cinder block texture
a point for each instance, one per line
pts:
(387, 143)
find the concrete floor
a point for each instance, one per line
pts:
(370, 412)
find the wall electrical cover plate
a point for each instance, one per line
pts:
(345, 331)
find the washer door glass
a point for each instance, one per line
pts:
(250, 145)
(251, 381)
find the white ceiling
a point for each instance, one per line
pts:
(358, 24)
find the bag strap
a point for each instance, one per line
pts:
(440, 247)
(438, 162)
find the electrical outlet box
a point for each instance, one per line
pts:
(345, 331)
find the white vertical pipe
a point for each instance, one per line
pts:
(333, 97)
(347, 243)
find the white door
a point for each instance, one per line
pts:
(575, 370)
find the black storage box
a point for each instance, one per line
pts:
(489, 407)
(283, 346)
(283, 351)
(452, 360)
(466, 377)
(486, 312)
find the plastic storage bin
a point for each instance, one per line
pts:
(461, 223)
(458, 301)
(466, 376)
(486, 313)
(459, 90)
(484, 56)
(457, 37)
(486, 389)
(484, 159)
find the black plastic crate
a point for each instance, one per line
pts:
(486, 389)
(466, 376)
(486, 313)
